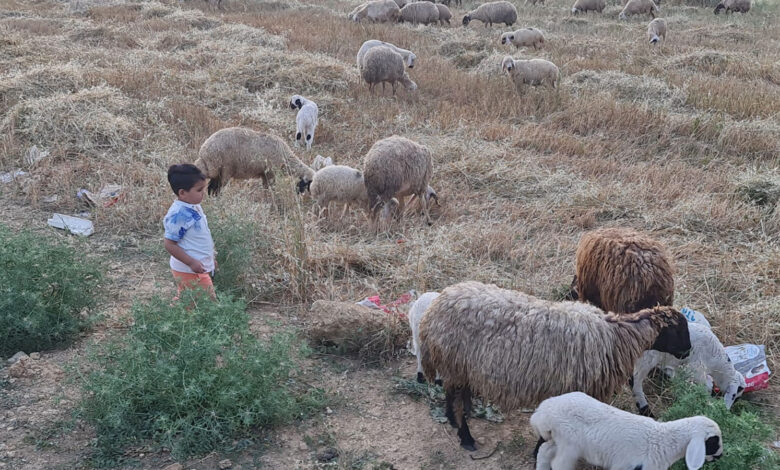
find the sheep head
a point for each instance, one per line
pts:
(507, 64)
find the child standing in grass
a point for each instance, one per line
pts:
(187, 235)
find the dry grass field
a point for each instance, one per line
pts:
(681, 141)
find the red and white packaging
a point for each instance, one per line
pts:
(750, 361)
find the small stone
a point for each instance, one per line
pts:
(776, 444)
(327, 455)
(17, 357)
(302, 446)
(35, 356)
(17, 369)
(174, 466)
(223, 464)
(328, 411)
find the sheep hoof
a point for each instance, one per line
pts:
(420, 378)
(469, 447)
(438, 382)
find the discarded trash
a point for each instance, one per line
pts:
(695, 317)
(34, 155)
(11, 175)
(50, 199)
(85, 196)
(108, 195)
(376, 303)
(750, 361)
(74, 225)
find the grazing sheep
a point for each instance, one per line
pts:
(396, 167)
(525, 37)
(583, 6)
(575, 426)
(382, 64)
(531, 72)
(622, 271)
(742, 6)
(416, 313)
(408, 56)
(339, 183)
(305, 121)
(516, 350)
(707, 357)
(377, 11)
(656, 30)
(493, 12)
(419, 12)
(241, 153)
(444, 14)
(638, 7)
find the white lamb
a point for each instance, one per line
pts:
(416, 313)
(305, 121)
(707, 357)
(576, 426)
(341, 184)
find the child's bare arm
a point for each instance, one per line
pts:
(177, 252)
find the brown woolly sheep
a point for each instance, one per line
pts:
(383, 64)
(516, 350)
(444, 14)
(620, 270)
(742, 6)
(241, 153)
(377, 11)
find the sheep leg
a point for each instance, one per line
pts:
(426, 208)
(463, 411)
(394, 86)
(641, 369)
(298, 139)
(545, 453)
(383, 87)
(344, 212)
(564, 461)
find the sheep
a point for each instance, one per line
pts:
(516, 350)
(444, 14)
(707, 357)
(396, 167)
(532, 72)
(534, 2)
(382, 64)
(622, 271)
(524, 37)
(638, 7)
(742, 6)
(492, 12)
(305, 121)
(419, 12)
(377, 11)
(656, 30)
(408, 56)
(583, 6)
(241, 153)
(339, 183)
(321, 162)
(416, 313)
(575, 426)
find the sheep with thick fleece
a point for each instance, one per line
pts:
(416, 313)
(524, 37)
(708, 357)
(383, 65)
(341, 184)
(531, 72)
(656, 30)
(444, 14)
(638, 7)
(492, 12)
(584, 6)
(305, 120)
(377, 11)
(396, 167)
(516, 350)
(241, 153)
(407, 55)
(576, 426)
(419, 13)
(741, 6)
(621, 270)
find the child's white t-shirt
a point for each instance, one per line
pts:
(186, 225)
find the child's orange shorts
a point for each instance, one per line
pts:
(191, 281)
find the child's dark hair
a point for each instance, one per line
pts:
(184, 177)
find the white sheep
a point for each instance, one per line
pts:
(524, 37)
(305, 121)
(492, 12)
(407, 55)
(656, 30)
(416, 313)
(419, 12)
(531, 72)
(638, 7)
(377, 11)
(576, 426)
(583, 6)
(707, 357)
(382, 65)
(340, 184)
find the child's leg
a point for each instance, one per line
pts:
(192, 281)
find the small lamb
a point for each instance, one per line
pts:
(707, 357)
(306, 120)
(341, 184)
(416, 313)
(576, 426)
(525, 37)
(656, 31)
(531, 72)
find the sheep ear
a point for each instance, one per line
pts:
(694, 454)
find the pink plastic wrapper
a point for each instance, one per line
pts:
(375, 302)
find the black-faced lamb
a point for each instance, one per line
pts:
(241, 153)
(492, 12)
(731, 6)
(576, 426)
(656, 30)
(340, 184)
(531, 72)
(584, 6)
(396, 167)
(621, 270)
(516, 350)
(524, 37)
(419, 13)
(383, 65)
(305, 120)
(407, 55)
(416, 313)
(638, 7)
(708, 357)
(377, 11)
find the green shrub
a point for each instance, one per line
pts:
(744, 434)
(239, 244)
(46, 290)
(189, 377)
